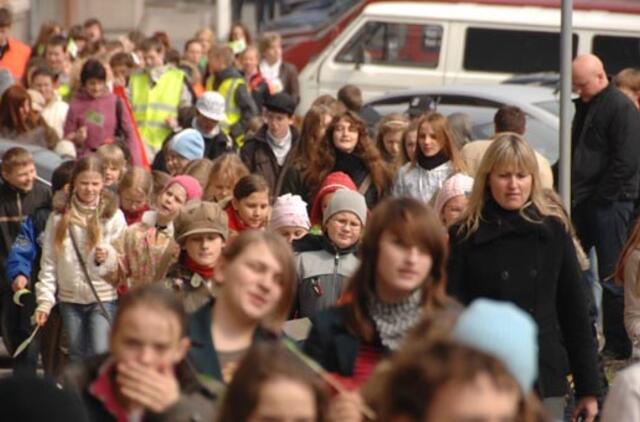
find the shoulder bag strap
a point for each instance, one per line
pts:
(364, 186)
(87, 277)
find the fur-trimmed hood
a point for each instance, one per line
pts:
(108, 203)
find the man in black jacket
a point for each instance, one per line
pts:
(604, 181)
(269, 151)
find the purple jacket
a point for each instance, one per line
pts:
(99, 116)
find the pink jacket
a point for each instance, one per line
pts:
(99, 116)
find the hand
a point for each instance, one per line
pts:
(41, 318)
(154, 390)
(101, 255)
(587, 407)
(346, 407)
(19, 283)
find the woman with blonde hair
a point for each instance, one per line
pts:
(435, 160)
(510, 246)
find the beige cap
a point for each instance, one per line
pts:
(201, 217)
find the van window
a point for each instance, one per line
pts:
(617, 52)
(394, 44)
(513, 51)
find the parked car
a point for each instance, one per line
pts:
(480, 102)
(399, 45)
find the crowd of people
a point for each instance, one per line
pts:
(206, 253)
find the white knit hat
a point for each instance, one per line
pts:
(289, 211)
(456, 185)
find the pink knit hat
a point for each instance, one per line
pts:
(289, 211)
(331, 183)
(190, 184)
(456, 185)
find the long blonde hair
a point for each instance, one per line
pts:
(88, 163)
(508, 148)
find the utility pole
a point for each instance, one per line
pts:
(564, 162)
(223, 18)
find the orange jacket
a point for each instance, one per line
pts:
(15, 58)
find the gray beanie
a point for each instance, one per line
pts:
(346, 200)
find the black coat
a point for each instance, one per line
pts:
(606, 148)
(259, 158)
(330, 343)
(534, 266)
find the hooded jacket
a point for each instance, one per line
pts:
(100, 117)
(61, 277)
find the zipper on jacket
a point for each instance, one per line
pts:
(336, 261)
(19, 203)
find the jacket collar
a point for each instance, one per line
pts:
(498, 222)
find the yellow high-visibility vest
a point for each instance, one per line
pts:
(228, 89)
(153, 105)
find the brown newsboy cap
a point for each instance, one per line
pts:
(201, 217)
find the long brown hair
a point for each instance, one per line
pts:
(265, 362)
(325, 159)
(310, 134)
(443, 133)
(88, 163)
(416, 224)
(12, 100)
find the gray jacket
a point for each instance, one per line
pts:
(320, 279)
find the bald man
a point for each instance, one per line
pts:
(604, 182)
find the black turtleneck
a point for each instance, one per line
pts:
(351, 164)
(429, 163)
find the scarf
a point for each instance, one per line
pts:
(280, 147)
(133, 217)
(393, 320)
(429, 163)
(272, 74)
(351, 164)
(204, 272)
(80, 213)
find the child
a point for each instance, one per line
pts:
(23, 262)
(200, 170)
(187, 145)
(410, 142)
(391, 130)
(321, 272)
(401, 277)
(333, 182)
(115, 164)
(249, 207)
(451, 201)
(274, 384)
(55, 110)
(160, 180)
(144, 376)
(147, 249)
(436, 159)
(201, 229)
(95, 115)
(289, 217)
(257, 286)
(134, 192)
(76, 253)
(225, 173)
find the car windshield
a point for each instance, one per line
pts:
(552, 106)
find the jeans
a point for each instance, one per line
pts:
(87, 328)
(605, 227)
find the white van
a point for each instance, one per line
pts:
(395, 45)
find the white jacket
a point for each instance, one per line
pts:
(416, 182)
(55, 113)
(632, 301)
(61, 274)
(623, 400)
